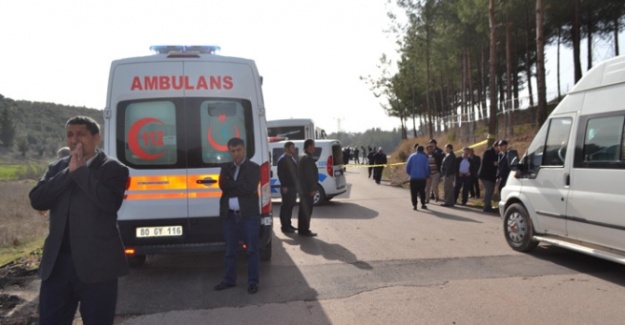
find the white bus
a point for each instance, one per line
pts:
(294, 129)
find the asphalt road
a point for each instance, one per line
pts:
(376, 261)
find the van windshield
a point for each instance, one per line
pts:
(182, 133)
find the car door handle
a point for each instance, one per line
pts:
(567, 179)
(206, 181)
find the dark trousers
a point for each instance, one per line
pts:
(475, 189)
(370, 171)
(286, 208)
(247, 229)
(305, 212)
(377, 174)
(61, 292)
(466, 183)
(417, 190)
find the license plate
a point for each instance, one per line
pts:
(163, 231)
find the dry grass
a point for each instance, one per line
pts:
(19, 224)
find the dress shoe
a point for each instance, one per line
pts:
(307, 233)
(223, 285)
(414, 207)
(287, 230)
(252, 289)
(424, 207)
(292, 228)
(447, 205)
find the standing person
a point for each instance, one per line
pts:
(503, 164)
(379, 159)
(287, 174)
(488, 175)
(364, 154)
(83, 255)
(370, 158)
(240, 214)
(464, 178)
(308, 176)
(418, 168)
(448, 170)
(476, 161)
(438, 155)
(431, 192)
(63, 152)
(356, 155)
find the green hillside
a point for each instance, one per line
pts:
(37, 129)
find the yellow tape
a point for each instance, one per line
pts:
(379, 165)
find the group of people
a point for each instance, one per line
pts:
(428, 165)
(377, 161)
(84, 189)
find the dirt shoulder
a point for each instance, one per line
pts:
(19, 289)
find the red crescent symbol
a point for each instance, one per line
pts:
(133, 138)
(220, 147)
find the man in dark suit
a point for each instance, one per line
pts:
(488, 175)
(448, 170)
(83, 254)
(308, 175)
(476, 161)
(287, 174)
(239, 209)
(379, 159)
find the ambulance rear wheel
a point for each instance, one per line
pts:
(265, 253)
(320, 196)
(136, 260)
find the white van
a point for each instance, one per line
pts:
(168, 118)
(329, 157)
(568, 188)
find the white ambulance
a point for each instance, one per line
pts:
(568, 188)
(168, 118)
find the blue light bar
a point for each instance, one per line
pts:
(167, 49)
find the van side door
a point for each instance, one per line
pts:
(546, 185)
(596, 205)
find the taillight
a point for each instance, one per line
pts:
(330, 166)
(265, 189)
(129, 251)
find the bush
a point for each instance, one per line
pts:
(31, 171)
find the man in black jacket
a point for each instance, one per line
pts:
(379, 159)
(83, 255)
(287, 174)
(308, 175)
(448, 170)
(488, 175)
(239, 209)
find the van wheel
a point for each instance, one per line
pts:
(265, 253)
(518, 228)
(136, 260)
(320, 196)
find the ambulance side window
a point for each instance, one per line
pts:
(221, 120)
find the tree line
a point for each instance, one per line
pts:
(466, 60)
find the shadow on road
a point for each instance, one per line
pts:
(451, 216)
(329, 251)
(600, 268)
(185, 282)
